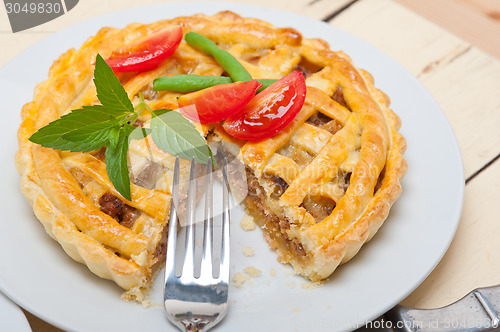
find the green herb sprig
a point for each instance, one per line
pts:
(110, 125)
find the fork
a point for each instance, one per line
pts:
(195, 303)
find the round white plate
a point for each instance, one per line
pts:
(12, 317)
(37, 274)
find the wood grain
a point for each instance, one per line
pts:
(12, 44)
(473, 258)
(453, 71)
(476, 21)
(463, 79)
(38, 325)
(488, 8)
(414, 42)
(467, 90)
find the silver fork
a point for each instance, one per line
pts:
(197, 303)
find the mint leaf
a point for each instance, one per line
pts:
(176, 135)
(84, 130)
(109, 89)
(109, 124)
(92, 132)
(116, 162)
(139, 133)
(160, 112)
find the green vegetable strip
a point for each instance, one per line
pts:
(223, 57)
(190, 83)
(265, 83)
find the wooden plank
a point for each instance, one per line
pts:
(403, 35)
(476, 21)
(473, 259)
(464, 80)
(489, 8)
(38, 325)
(317, 9)
(467, 89)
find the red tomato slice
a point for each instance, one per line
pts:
(148, 52)
(218, 102)
(270, 111)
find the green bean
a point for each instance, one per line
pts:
(188, 83)
(232, 66)
(265, 83)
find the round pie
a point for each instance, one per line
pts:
(320, 188)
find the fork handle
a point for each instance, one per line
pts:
(477, 311)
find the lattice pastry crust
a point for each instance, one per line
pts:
(323, 186)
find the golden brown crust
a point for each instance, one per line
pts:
(368, 147)
(361, 139)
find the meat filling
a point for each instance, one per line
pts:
(319, 207)
(149, 93)
(318, 119)
(307, 68)
(338, 96)
(275, 225)
(116, 209)
(304, 71)
(280, 185)
(149, 175)
(324, 122)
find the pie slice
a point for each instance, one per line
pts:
(319, 189)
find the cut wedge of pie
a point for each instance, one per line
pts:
(320, 188)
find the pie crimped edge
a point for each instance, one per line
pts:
(67, 213)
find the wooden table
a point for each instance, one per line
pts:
(464, 79)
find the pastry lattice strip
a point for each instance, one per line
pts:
(337, 91)
(363, 148)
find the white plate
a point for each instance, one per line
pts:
(12, 317)
(36, 273)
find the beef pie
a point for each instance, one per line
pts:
(320, 188)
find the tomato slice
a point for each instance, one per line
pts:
(148, 52)
(218, 102)
(270, 111)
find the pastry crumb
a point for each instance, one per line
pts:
(252, 271)
(272, 272)
(247, 223)
(140, 259)
(248, 251)
(154, 305)
(240, 278)
(312, 284)
(296, 309)
(290, 284)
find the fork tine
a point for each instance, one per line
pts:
(224, 267)
(172, 224)
(206, 260)
(188, 265)
(192, 303)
